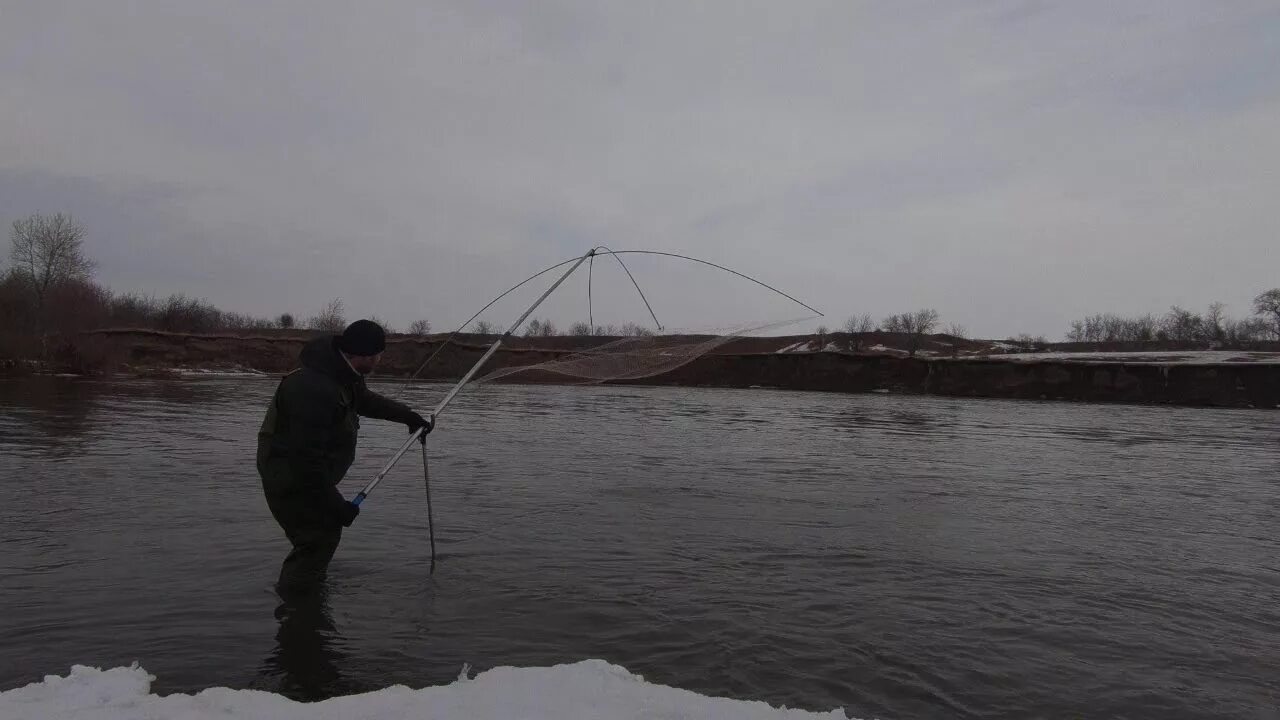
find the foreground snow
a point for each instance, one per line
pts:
(589, 689)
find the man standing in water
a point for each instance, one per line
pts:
(308, 441)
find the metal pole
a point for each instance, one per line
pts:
(431, 522)
(360, 496)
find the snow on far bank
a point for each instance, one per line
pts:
(588, 689)
(798, 347)
(209, 372)
(1163, 357)
(891, 351)
(811, 346)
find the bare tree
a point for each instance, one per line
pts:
(286, 321)
(957, 331)
(1215, 326)
(1255, 328)
(915, 325)
(331, 319)
(1212, 324)
(859, 324)
(133, 310)
(484, 327)
(237, 321)
(420, 328)
(1113, 328)
(606, 330)
(47, 250)
(538, 327)
(1139, 329)
(1027, 340)
(580, 329)
(182, 314)
(822, 331)
(1268, 303)
(634, 330)
(1180, 324)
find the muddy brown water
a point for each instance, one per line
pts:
(899, 557)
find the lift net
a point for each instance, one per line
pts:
(623, 359)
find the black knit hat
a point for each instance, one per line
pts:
(363, 337)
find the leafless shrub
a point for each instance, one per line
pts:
(859, 324)
(1267, 305)
(180, 313)
(538, 327)
(331, 319)
(634, 330)
(915, 325)
(1179, 324)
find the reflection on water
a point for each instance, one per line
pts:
(305, 664)
(49, 414)
(895, 556)
(57, 415)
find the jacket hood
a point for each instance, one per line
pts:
(321, 355)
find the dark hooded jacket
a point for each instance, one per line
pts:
(308, 439)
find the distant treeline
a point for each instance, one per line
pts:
(49, 292)
(78, 304)
(1182, 325)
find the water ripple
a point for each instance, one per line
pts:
(898, 557)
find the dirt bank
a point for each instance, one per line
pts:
(1221, 385)
(835, 363)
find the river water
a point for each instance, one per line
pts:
(899, 557)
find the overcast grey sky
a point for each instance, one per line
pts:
(1013, 164)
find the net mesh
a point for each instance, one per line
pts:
(626, 359)
(585, 358)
